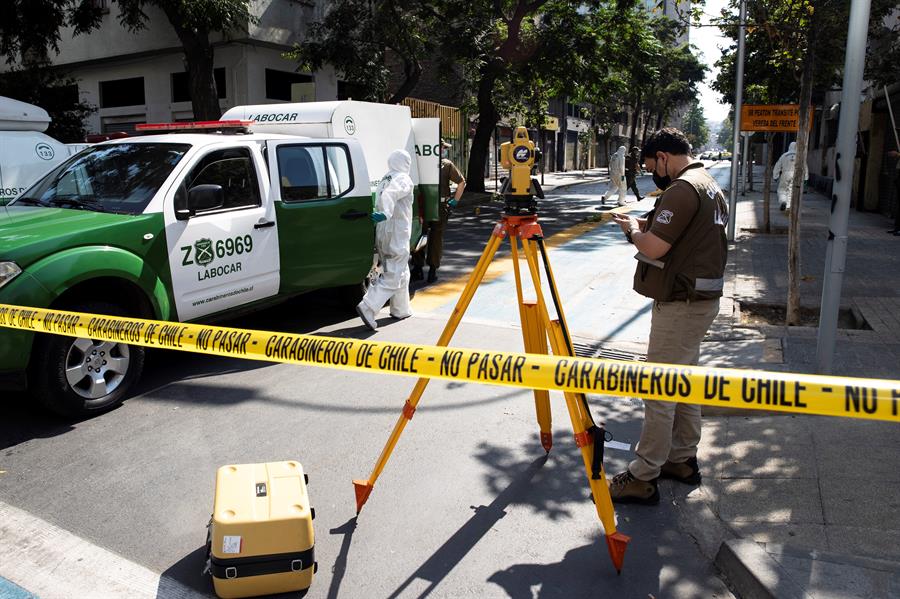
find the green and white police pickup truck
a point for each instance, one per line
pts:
(187, 226)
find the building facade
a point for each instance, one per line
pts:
(136, 78)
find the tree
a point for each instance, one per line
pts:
(54, 92)
(726, 133)
(679, 73)
(695, 127)
(793, 41)
(194, 22)
(358, 37)
(29, 29)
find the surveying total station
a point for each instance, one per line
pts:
(519, 223)
(519, 157)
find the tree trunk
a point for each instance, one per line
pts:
(749, 165)
(199, 56)
(412, 71)
(634, 119)
(487, 120)
(644, 132)
(659, 119)
(806, 83)
(767, 182)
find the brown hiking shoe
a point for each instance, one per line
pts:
(684, 472)
(625, 488)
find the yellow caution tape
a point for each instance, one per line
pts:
(874, 399)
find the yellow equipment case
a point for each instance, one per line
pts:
(261, 533)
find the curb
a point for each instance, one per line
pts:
(753, 574)
(772, 570)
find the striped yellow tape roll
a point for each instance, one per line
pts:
(874, 399)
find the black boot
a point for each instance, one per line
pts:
(432, 275)
(416, 273)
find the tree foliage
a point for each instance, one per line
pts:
(359, 37)
(30, 29)
(511, 57)
(695, 127)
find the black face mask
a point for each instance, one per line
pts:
(661, 181)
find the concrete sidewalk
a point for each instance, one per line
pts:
(795, 506)
(556, 180)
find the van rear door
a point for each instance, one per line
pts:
(324, 202)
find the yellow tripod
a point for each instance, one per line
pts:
(537, 328)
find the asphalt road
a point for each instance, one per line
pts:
(468, 505)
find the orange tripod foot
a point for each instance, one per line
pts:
(617, 543)
(363, 488)
(547, 441)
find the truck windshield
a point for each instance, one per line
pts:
(120, 178)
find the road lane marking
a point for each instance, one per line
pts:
(432, 297)
(53, 563)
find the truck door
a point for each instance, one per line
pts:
(225, 256)
(324, 203)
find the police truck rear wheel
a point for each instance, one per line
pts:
(77, 377)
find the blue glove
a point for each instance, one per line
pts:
(452, 202)
(378, 217)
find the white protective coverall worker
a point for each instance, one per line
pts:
(393, 200)
(617, 185)
(784, 172)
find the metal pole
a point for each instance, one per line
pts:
(748, 167)
(736, 141)
(836, 252)
(887, 99)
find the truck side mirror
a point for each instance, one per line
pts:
(202, 197)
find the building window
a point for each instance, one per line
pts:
(122, 92)
(278, 84)
(181, 92)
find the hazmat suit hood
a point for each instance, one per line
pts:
(621, 151)
(399, 161)
(792, 149)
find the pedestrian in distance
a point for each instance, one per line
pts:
(784, 173)
(616, 178)
(431, 254)
(393, 228)
(682, 250)
(632, 167)
(896, 230)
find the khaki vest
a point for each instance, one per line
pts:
(695, 265)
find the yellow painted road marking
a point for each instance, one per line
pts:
(433, 297)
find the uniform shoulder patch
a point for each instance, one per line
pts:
(665, 217)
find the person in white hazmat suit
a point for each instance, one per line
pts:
(784, 173)
(617, 185)
(393, 228)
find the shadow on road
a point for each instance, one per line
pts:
(442, 561)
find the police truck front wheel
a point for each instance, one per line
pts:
(76, 377)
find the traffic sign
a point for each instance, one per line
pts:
(771, 117)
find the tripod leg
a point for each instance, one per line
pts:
(363, 488)
(535, 337)
(536, 343)
(582, 423)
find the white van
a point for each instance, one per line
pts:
(26, 153)
(379, 128)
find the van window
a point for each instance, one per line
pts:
(314, 172)
(233, 170)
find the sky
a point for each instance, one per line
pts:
(707, 40)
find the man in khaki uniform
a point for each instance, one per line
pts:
(681, 266)
(435, 229)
